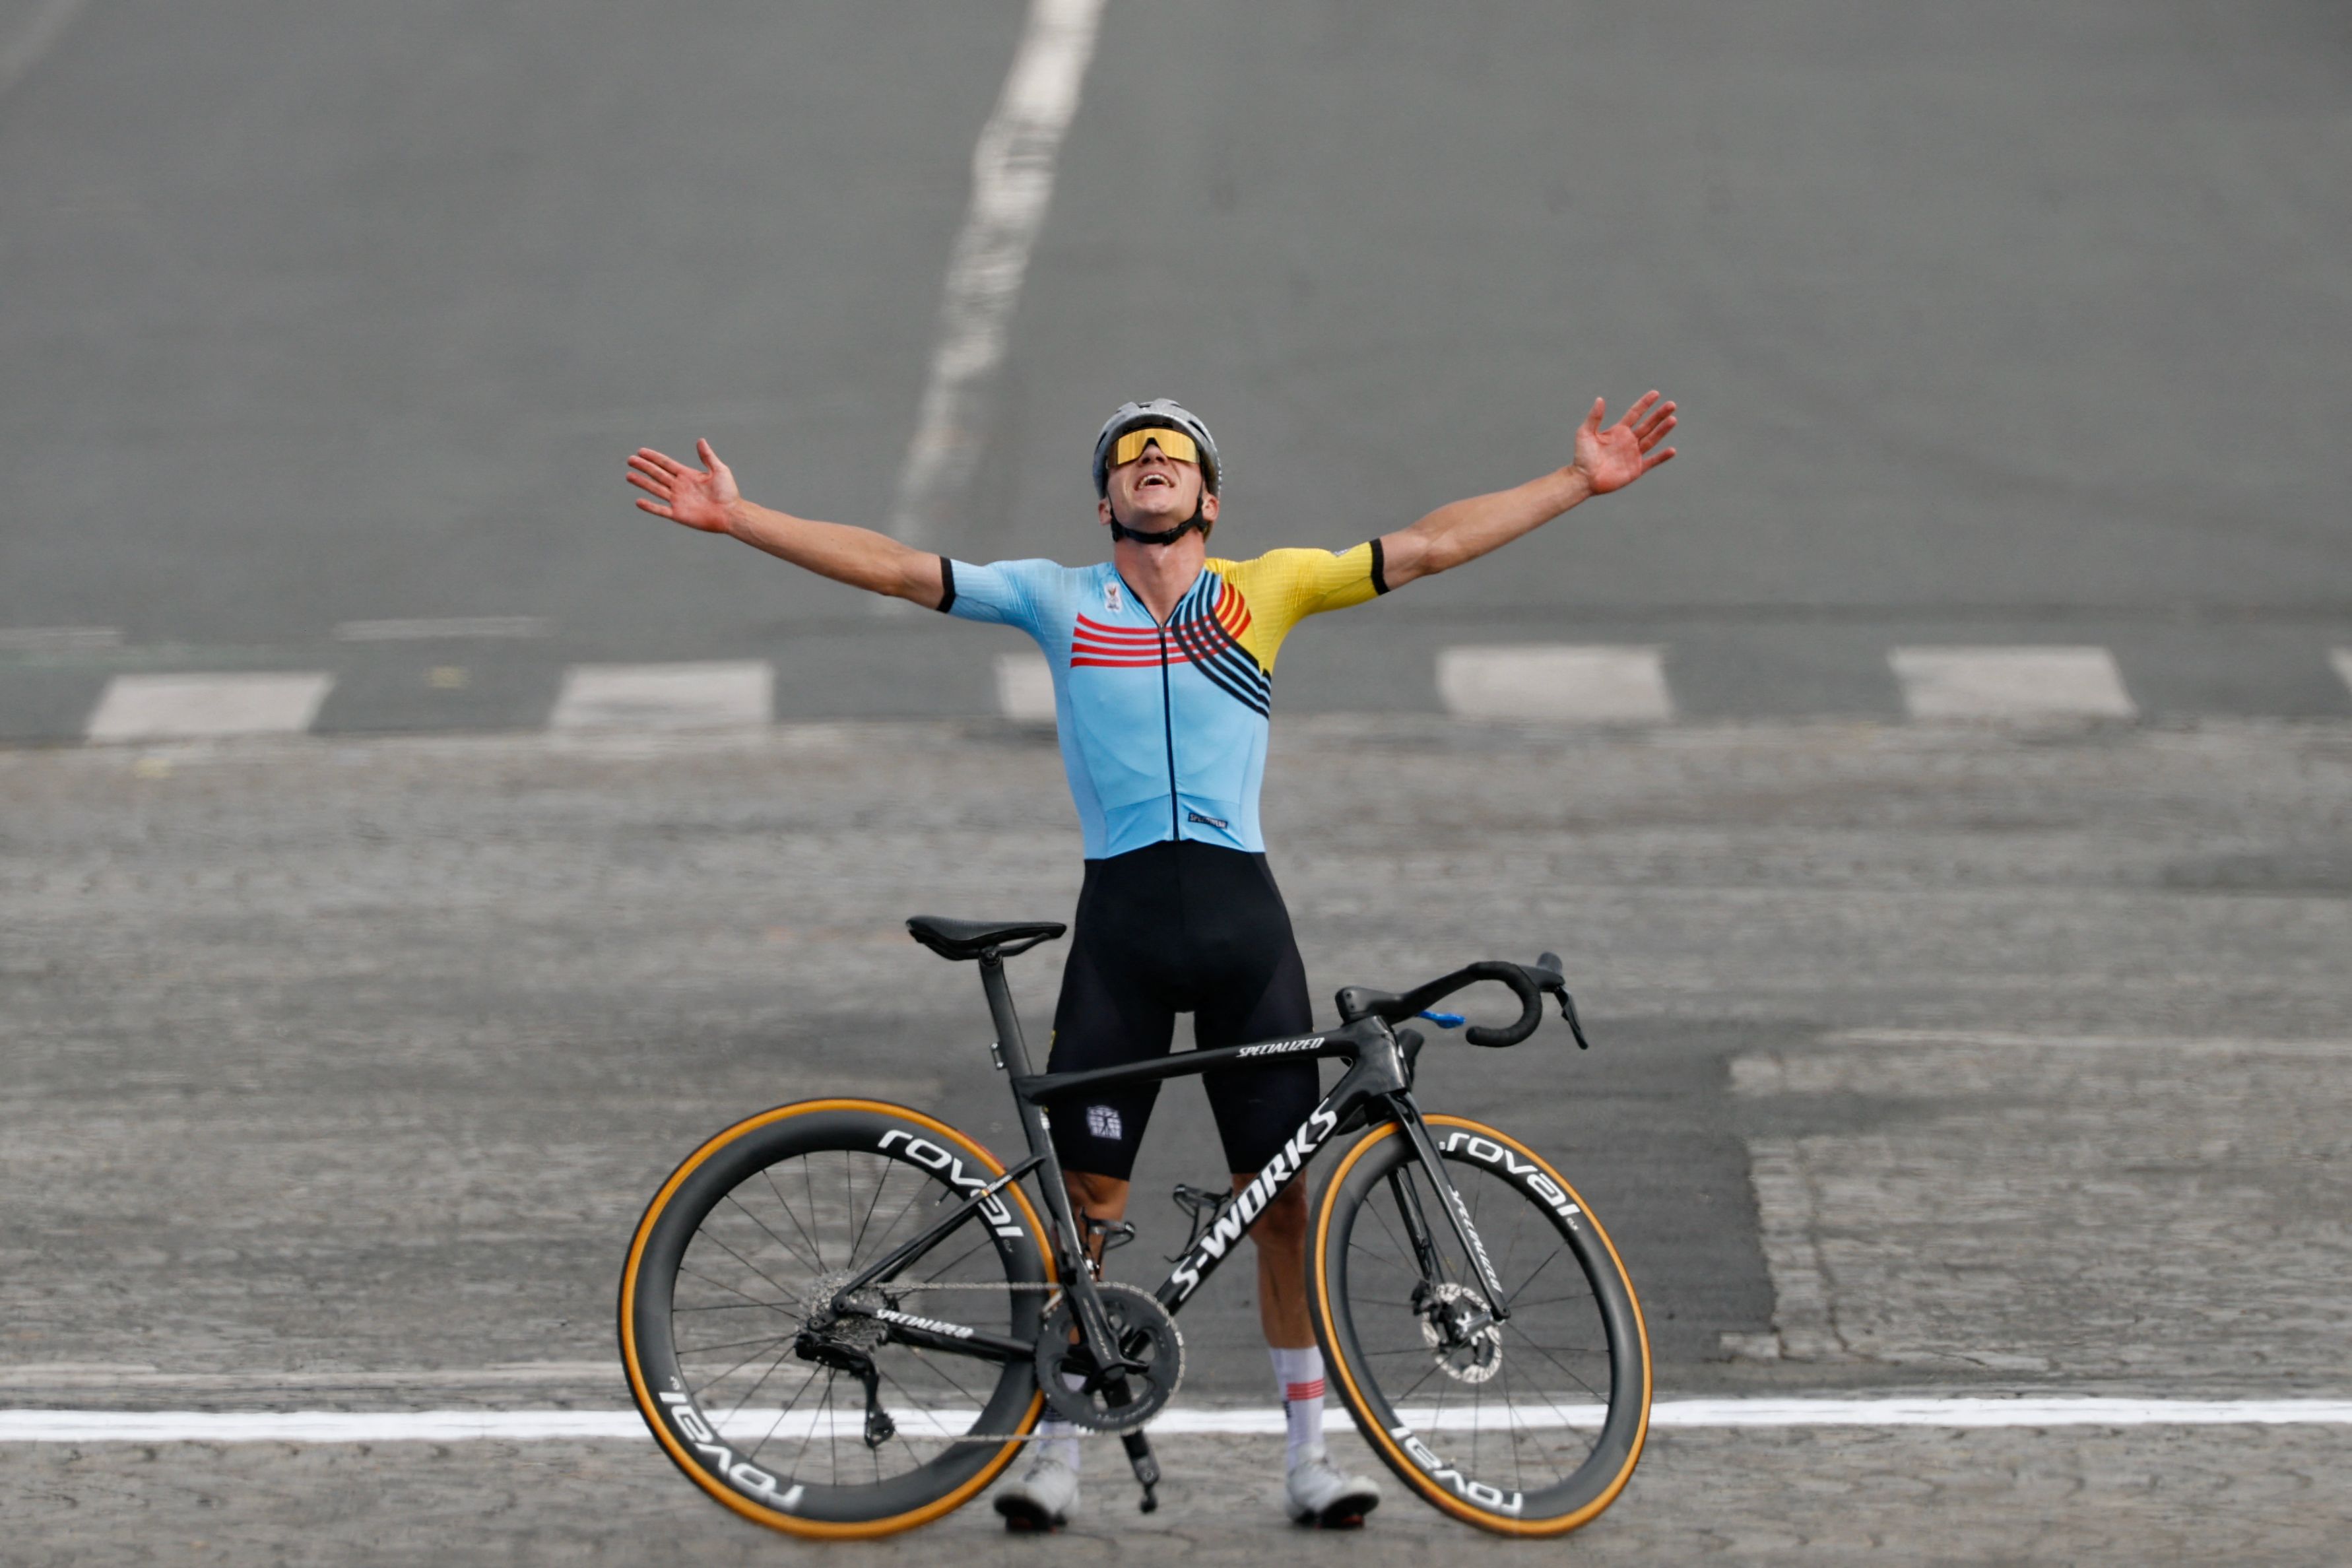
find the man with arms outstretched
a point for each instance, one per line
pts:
(1162, 659)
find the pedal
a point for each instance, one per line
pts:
(1115, 1232)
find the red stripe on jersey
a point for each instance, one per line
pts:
(1125, 634)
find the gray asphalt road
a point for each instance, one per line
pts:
(1930, 1062)
(1992, 324)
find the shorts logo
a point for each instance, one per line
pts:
(1102, 1120)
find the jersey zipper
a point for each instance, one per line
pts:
(1168, 720)
(1167, 707)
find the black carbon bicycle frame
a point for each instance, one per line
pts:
(1377, 1084)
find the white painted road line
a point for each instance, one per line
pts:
(450, 627)
(737, 694)
(58, 640)
(543, 1425)
(1024, 688)
(1011, 185)
(192, 707)
(1546, 684)
(2341, 658)
(2012, 683)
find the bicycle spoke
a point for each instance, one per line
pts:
(881, 1186)
(1556, 1362)
(744, 1305)
(1513, 1298)
(772, 1236)
(769, 1176)
(935, 1278)
(732, 1345)
(941, 1373)
(761, 1383)
(798, 1305)
(746, 1262)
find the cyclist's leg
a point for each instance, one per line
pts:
(1260, 992)
(1112, 1012)
(1254, 987)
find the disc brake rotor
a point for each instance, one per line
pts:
(1148, 1341)
(1465, 1357)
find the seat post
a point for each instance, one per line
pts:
(1000, 1011)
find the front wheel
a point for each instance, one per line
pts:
(1530, 1426)
(758, 1392)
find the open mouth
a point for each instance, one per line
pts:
(1148, 480)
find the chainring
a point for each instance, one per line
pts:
(1147, 1334)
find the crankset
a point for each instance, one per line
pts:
(1151, 1354)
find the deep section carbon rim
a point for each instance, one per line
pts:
(731, 1268)
(1530, 1424)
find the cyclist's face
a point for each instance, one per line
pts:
(1156, 491)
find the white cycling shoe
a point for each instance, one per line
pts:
(1320, 1497)
(1041, 1498)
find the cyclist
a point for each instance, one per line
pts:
(1162, 658)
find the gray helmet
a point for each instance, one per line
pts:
(1159, 411)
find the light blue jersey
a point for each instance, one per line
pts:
(1164, 729)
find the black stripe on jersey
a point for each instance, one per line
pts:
(1380, 569)
(946, 583)
(1213, 651)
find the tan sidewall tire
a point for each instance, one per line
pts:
(1350, 1382)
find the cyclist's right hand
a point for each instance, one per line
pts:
(699, 498)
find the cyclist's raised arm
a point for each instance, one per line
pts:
(1462, 530)
(705, 499)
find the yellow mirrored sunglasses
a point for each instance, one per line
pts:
(1172, 443)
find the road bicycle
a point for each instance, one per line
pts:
(842, 1317)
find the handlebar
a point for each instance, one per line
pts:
(1528, 982)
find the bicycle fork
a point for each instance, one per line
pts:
(1457, 1213)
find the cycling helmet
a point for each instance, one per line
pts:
(1159, 411)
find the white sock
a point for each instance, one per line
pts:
(1300, 1375)
(1057, 1438)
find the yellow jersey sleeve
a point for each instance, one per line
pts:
(1283, 588)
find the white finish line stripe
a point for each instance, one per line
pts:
(544, 1425)
(1011, 185)
(725, 695)
(192, 707)
(1545, 684)
(2012, 683)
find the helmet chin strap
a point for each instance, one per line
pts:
(1165, 536)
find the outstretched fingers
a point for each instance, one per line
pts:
(1632, 418)
(1591, 425)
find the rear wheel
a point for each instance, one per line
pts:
(1526, 1427)
(725, 1285)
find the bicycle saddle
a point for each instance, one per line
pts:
(968, 939)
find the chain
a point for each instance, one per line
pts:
(896, 1286)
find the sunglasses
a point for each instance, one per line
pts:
(1171, 443)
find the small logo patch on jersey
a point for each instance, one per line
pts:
(1113, 600)
(1102, 1120)
(1207, 821)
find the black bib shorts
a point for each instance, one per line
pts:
(1175, 928)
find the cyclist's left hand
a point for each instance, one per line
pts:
(1615, 458)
